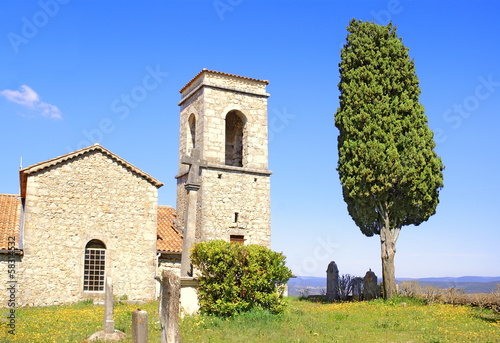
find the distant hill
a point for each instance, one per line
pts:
(312, 285)
(470, 284)
(457, 279)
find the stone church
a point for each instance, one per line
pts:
(90, 214)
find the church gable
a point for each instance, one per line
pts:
(68, 158)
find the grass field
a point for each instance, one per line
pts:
(304, 321)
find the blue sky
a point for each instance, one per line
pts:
(73, 73)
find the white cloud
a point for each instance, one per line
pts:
(29, 99)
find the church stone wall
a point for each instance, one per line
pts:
(235, 203)
(254, 108)
(89, 197)
(172, 263)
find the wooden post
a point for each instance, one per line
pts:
(169, 307)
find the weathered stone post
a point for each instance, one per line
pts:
(109, 333)
(169, 307)
(109, 306)
(189, 230)
(332, 282)
(139, 326)
(370, 289)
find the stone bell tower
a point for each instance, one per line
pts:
(223, 183)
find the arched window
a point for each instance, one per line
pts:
(94, 270)
(235, 124)
(191, 134)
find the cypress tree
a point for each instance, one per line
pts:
(390, 174)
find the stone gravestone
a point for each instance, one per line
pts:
(139, 326)
(370, 288)
(332, 282)
(357, 288)
(169, 307)
(109, 333)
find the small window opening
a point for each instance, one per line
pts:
(234, 139)
(219, 176)
(191, 134)
(237, 239)
(236, 217)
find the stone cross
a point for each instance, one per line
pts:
(370, 289)
(109, 333)
(195, 162)
(192, 186)
(332, 282)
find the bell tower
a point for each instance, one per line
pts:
(223, 182)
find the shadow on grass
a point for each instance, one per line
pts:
(314, 299)
(322, 300)
(487, 315)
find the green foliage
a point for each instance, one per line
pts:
(238, 278)
(389, 171)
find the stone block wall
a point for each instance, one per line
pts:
(67, 205)
(227, 190)
(254, 108)
(235, 203)
(210, 99)
(170, 262)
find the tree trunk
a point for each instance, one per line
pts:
(388, 238)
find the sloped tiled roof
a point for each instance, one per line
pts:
(169, 238)
(96, 147)
(10, 219)
(205, 70)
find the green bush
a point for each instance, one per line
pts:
(237, 278)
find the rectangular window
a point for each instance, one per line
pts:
(94, 270)
(237, 239)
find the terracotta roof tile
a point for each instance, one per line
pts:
(205, 70)
(169, 238)
(10, 219)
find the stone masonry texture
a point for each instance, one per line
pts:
(233, 200)
(67, 205)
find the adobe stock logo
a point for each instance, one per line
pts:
(278, 121)
(223, 6)
(122, 106)
(458, 112)
(31, 26)
(321, 255)
(384, 16)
